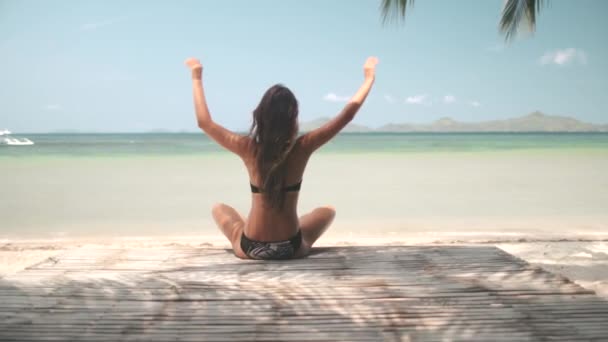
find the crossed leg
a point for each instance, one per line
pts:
(231, 224)
(312, 225)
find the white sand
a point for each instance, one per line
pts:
(14, 258)
(585, 263)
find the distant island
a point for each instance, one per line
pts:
(533, 122)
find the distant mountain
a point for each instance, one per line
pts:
(314, 124)
(533, 122)
(350, 128)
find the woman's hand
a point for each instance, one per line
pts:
(195, 67)
(369, 68)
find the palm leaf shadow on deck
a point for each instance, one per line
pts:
(342, 293)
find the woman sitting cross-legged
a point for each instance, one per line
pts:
(275, 157)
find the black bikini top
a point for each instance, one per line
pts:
(295, 187)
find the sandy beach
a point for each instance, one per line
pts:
(543, 206)
(464, 147)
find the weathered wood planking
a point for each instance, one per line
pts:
(396, 293)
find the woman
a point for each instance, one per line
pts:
(275, 158)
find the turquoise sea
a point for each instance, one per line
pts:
(73, 185)
(181, 144)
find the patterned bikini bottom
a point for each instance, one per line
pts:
(275, 250)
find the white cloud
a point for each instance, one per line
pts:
(417, 99)
(52, 107)
(475, 104)
(564, 57)
(389, 99)
(332, 97)
(449, 99)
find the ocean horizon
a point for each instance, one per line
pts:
(196, 143)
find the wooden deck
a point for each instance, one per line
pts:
(397, 293)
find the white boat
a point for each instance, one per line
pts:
(6, 139)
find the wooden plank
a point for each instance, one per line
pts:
(428, 293)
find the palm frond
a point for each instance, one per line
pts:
(516, 11)
(394, 9)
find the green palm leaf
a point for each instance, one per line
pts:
(514, 14)
(394, 9)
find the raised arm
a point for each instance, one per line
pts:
(229, 140)
(318, 137)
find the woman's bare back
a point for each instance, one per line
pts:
(284, 221)
(268, 222)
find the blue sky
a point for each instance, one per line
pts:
(118, 65)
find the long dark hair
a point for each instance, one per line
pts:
(274, 130)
